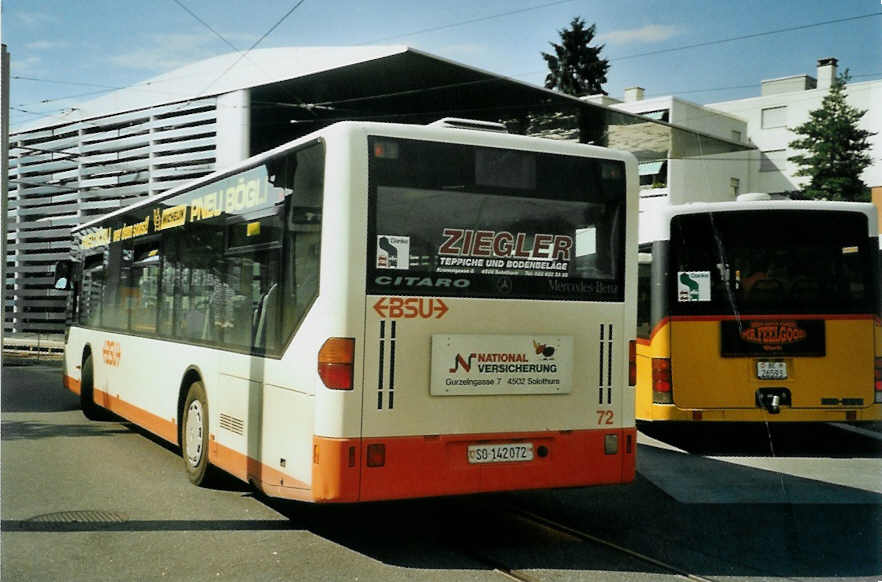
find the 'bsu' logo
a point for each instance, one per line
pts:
(459, 361)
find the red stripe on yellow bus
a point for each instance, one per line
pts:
(71, 384)
(159, 426)
(438, 465)
(837, 316)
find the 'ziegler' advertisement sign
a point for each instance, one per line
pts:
(474, 365)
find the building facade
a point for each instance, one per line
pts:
(140, 141)
(765, 122)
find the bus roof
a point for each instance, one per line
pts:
(655, 225)
(435, 132)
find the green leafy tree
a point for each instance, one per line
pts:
(575, 67)
(834, 149)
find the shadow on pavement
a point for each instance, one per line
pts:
(762, 440)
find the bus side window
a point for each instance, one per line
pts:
(302, 248)
(92, 290)
(145, 287)
(644, 292)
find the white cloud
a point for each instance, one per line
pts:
(45, 45)
(24, 65)
(164, 52)
(648, 34)
(34, 18)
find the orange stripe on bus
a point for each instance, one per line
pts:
(268, 479)
(159, 426)
(71, 384)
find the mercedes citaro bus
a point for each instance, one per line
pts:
(374, 311)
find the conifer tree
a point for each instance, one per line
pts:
(834, 149)
(575, 67)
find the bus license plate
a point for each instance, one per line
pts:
(507, 453)
(766, 370)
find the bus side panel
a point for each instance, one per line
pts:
(128, 381)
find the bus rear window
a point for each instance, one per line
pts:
(772, 261)
(450, 219)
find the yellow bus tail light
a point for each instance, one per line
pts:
(878, 385)
(662, 385)
(335, 359)
(632, 363)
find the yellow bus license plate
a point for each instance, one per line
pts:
(507, 453)
(766, 370)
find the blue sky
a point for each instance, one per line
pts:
(67, 51)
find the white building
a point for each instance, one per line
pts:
(766, 122)
(678, 179)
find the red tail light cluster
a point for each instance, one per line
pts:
(335, 359)
(662, 384)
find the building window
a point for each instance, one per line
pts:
(660, 115)
(774, 117)
(653, 174)
(734, 187)
(772, 160)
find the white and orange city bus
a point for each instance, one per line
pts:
(759, 310)
(374, 311)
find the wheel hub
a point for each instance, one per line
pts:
(194, 434)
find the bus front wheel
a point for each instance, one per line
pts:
(194, 435)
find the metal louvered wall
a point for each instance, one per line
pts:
(69, 174)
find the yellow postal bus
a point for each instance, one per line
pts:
(759, 311)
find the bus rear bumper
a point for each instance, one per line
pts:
(665, 413)
(344, 470)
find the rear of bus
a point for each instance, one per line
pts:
(765, 311)
(495, 349)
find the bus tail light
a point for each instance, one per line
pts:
(878, 385)
(662, 385)
(632, 363)
(376, 455)
(335, 359)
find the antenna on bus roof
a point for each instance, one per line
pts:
(461, 123)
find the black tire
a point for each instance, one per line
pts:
(194, 435)
(87, 399)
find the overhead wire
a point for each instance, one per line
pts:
(252, 47)
(490, 17)
(470, 21)
(745, 36)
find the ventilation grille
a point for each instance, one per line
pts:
(232, 424)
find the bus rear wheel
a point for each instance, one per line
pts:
(194, 435)
(87, 398)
